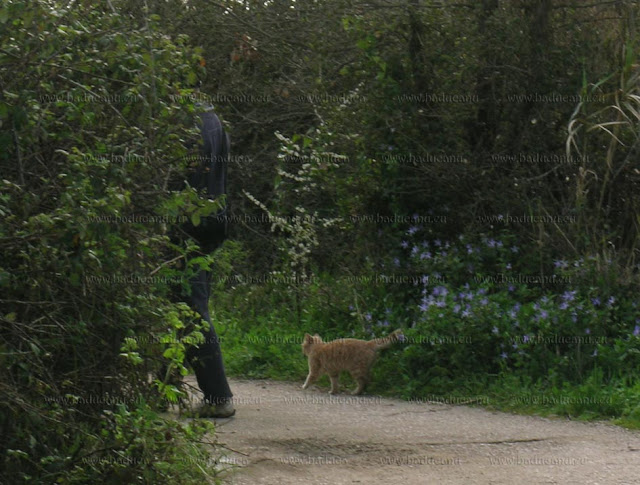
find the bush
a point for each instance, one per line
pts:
(475, 316)
(90, 137)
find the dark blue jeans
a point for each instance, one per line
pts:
(206, 358)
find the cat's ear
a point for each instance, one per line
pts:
(307, 338)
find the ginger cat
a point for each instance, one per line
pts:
(350, 354)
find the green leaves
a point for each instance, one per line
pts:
(88, 141)
(134, 357)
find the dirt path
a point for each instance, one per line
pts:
(290, 436)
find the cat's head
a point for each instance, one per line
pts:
(309, 341)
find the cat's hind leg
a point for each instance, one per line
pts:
(362, 384)
(362, 378)
(335, 384)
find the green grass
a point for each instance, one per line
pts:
(270, 350)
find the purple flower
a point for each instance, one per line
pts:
(511, 288)
(543, 314)
(414, 250)
(441, 303)
(569, 295)
(396, 261)
(351, 308)
(440, 291)
(367, 317)
(503, 355)
(384, 323)
(574, 317)
(561, 263)
(443, 254)
(415, 216)
(508, 266)
(587, 331)
(412, 230)
(404, 244)
(437, 242)
(482, 291)
(596, 301)
(515, 345)
(401, 338)
(491, 243)
(387, 311)
(426, 303)
(563, 306)
(466, 313)
(484, 302)
(636, 331)
(611, 300)
(456, 309)
(525, 339)
(495, 330)
(469, 249)
(595, 352)
(499, 244)
(514, 249)
(426, 255)
(424, 279)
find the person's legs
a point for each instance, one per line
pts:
(206, 358)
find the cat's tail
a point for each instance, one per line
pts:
(384, 342)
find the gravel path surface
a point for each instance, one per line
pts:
(284, 435)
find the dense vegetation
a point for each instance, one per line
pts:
(467, 172)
